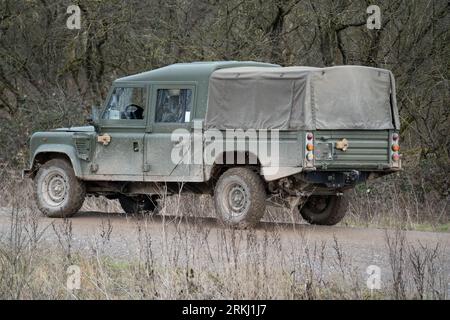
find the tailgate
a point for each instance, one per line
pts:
(367, 149)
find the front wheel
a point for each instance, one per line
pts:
(58, 192)
(240, 197)
(324, 210)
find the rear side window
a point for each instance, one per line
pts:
(126, 103)
(173, 105)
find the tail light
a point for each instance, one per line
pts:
(395, 147)
(309, 147)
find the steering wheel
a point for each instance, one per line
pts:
(133, 111)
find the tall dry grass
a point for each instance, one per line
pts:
(399, 200)
(191, 259)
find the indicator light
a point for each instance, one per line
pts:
(395, 147)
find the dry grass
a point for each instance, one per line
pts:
(398, 201)
(189, 261)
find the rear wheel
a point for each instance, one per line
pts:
(139, 204)
(240, 197)
(324, 210)
(58, 191)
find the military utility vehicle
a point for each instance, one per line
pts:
(243, 132)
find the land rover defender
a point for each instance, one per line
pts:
(243, 132)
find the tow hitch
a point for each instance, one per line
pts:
(351, 177)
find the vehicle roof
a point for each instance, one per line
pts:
(193, 71)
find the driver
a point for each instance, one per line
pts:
(134, 112)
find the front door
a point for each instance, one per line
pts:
(119, 150)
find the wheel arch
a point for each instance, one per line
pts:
(220, 165)
(45, 153)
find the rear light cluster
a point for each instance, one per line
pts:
(309, 146)
(395, 147)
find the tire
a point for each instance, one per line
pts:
(324, 210)
(58, 192)
(249, 202)
(139, 204)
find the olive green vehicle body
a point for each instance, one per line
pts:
(139, 151)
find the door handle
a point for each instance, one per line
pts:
(136, 146)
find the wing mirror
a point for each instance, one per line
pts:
(92, 119)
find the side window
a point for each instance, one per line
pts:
(126, 103)
(173, 105)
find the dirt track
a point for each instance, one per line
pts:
(363, 246)
(363, 242)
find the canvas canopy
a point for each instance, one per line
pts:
(302, 98)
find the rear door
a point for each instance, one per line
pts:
(366, 149)
(172, 107)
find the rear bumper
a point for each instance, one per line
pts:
(383, 167)
(341, 178)
(334, 179)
